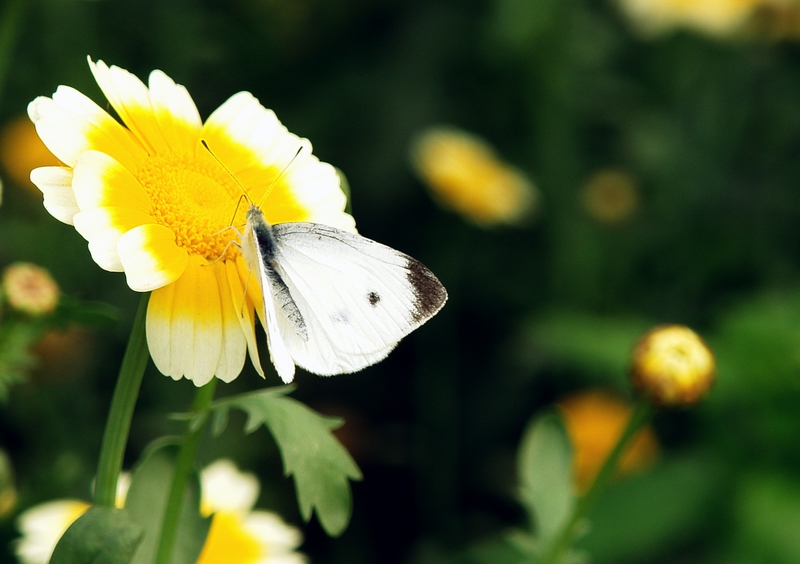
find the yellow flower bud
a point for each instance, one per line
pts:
(30, 289)
(672, 366)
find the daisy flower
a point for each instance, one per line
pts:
(239, 534)
(42, 526)
(153, 202)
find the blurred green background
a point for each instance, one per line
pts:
(707, 129)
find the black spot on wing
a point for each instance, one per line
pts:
(373, 298)
(429, 293)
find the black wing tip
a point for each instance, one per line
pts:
(429, 293)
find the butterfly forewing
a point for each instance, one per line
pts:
(358, 298)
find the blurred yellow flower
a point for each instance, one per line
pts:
(154, 203)
(238, 534)
(21, 151)
(594, 421)
(30, 289)
(715, 17)
(672, 365)
(465, 175)
(610, 196)
(777, 19)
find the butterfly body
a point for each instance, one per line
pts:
(334, 301)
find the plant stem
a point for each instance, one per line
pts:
(641, 415)
(183, 470)
(120, 414)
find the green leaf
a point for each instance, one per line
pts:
(147, 501)
(638, 517)
(321, 466)
(102, 535)
(767, 518)
(544, 468)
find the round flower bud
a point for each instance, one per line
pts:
(672, 366)
(30, 289)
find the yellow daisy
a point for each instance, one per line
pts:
(154, 203)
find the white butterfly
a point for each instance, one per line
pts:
(334, 302)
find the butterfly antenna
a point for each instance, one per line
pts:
(244, 195)
(280, 174)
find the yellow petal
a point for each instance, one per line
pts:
(237, 271)
(184, 325)
(175, 112)
(70, 123)
(103, 227)
(130, 99)
(234, 343)
(265, 157)
(150, 257)
(239, 130)
(159, 330)
(55, 182)
(99, 180)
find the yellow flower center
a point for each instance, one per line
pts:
(195, 198)
(229, 542)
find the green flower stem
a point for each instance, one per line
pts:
(183, 471)
(119, 416)
(641, 415)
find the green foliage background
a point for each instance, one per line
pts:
(709, 128)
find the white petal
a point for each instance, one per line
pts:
(55, 182)
(151, 258)
(176, 113)
(225, 488)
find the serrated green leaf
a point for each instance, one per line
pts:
(544, 467)
(320, 465)
(147, 500)
(102, 535)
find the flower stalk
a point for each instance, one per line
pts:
(640, 416)
(182, 473)
(120, 414)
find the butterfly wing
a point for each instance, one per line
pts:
(279, 354)
(357, 298)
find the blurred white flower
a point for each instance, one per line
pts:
(238, 534)
(42, 526)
